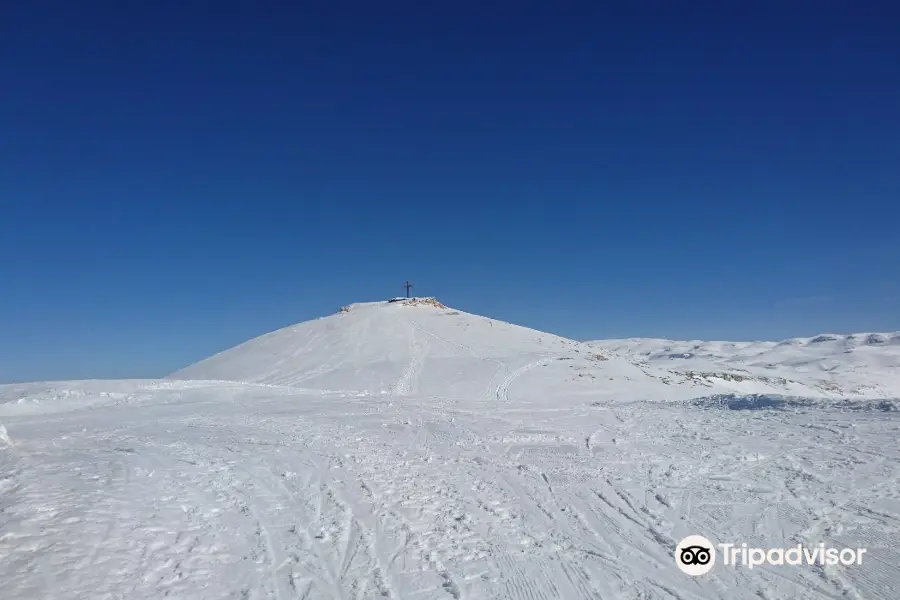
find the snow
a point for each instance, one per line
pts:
(404, 450)
(861, 365)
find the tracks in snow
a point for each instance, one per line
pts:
(408, 381)
(263, 495)
(304, 538)
(497, 388)
(501, 392)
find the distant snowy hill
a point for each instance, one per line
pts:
(865, 365)
(407, 450)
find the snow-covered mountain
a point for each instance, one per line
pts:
(405, 346)
(865, 365)
(420, 346)
(408, 450)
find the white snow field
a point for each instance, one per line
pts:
(861, 365)
(408, 450)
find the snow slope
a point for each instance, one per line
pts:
(414, 451)
(425, 348)
(865, 365)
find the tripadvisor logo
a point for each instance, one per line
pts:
(696, 555)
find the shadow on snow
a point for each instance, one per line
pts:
(777, 402)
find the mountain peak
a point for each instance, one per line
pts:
(399, 301)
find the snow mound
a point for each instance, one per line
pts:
(5, 441)
(419, 346)
(416, 345)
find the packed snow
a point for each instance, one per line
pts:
(408, 450)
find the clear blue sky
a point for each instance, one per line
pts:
(177, 177)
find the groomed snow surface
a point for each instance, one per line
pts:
(415, 451)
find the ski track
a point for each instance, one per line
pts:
(271, 492)
(491, 390)
(501, 392)
(407, 382)
(263, 504)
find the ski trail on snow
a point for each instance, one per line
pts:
(407, 383)
(498, 386)
(501, 392)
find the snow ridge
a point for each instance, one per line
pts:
(864, 365)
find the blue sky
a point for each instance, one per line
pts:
(175, 179)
